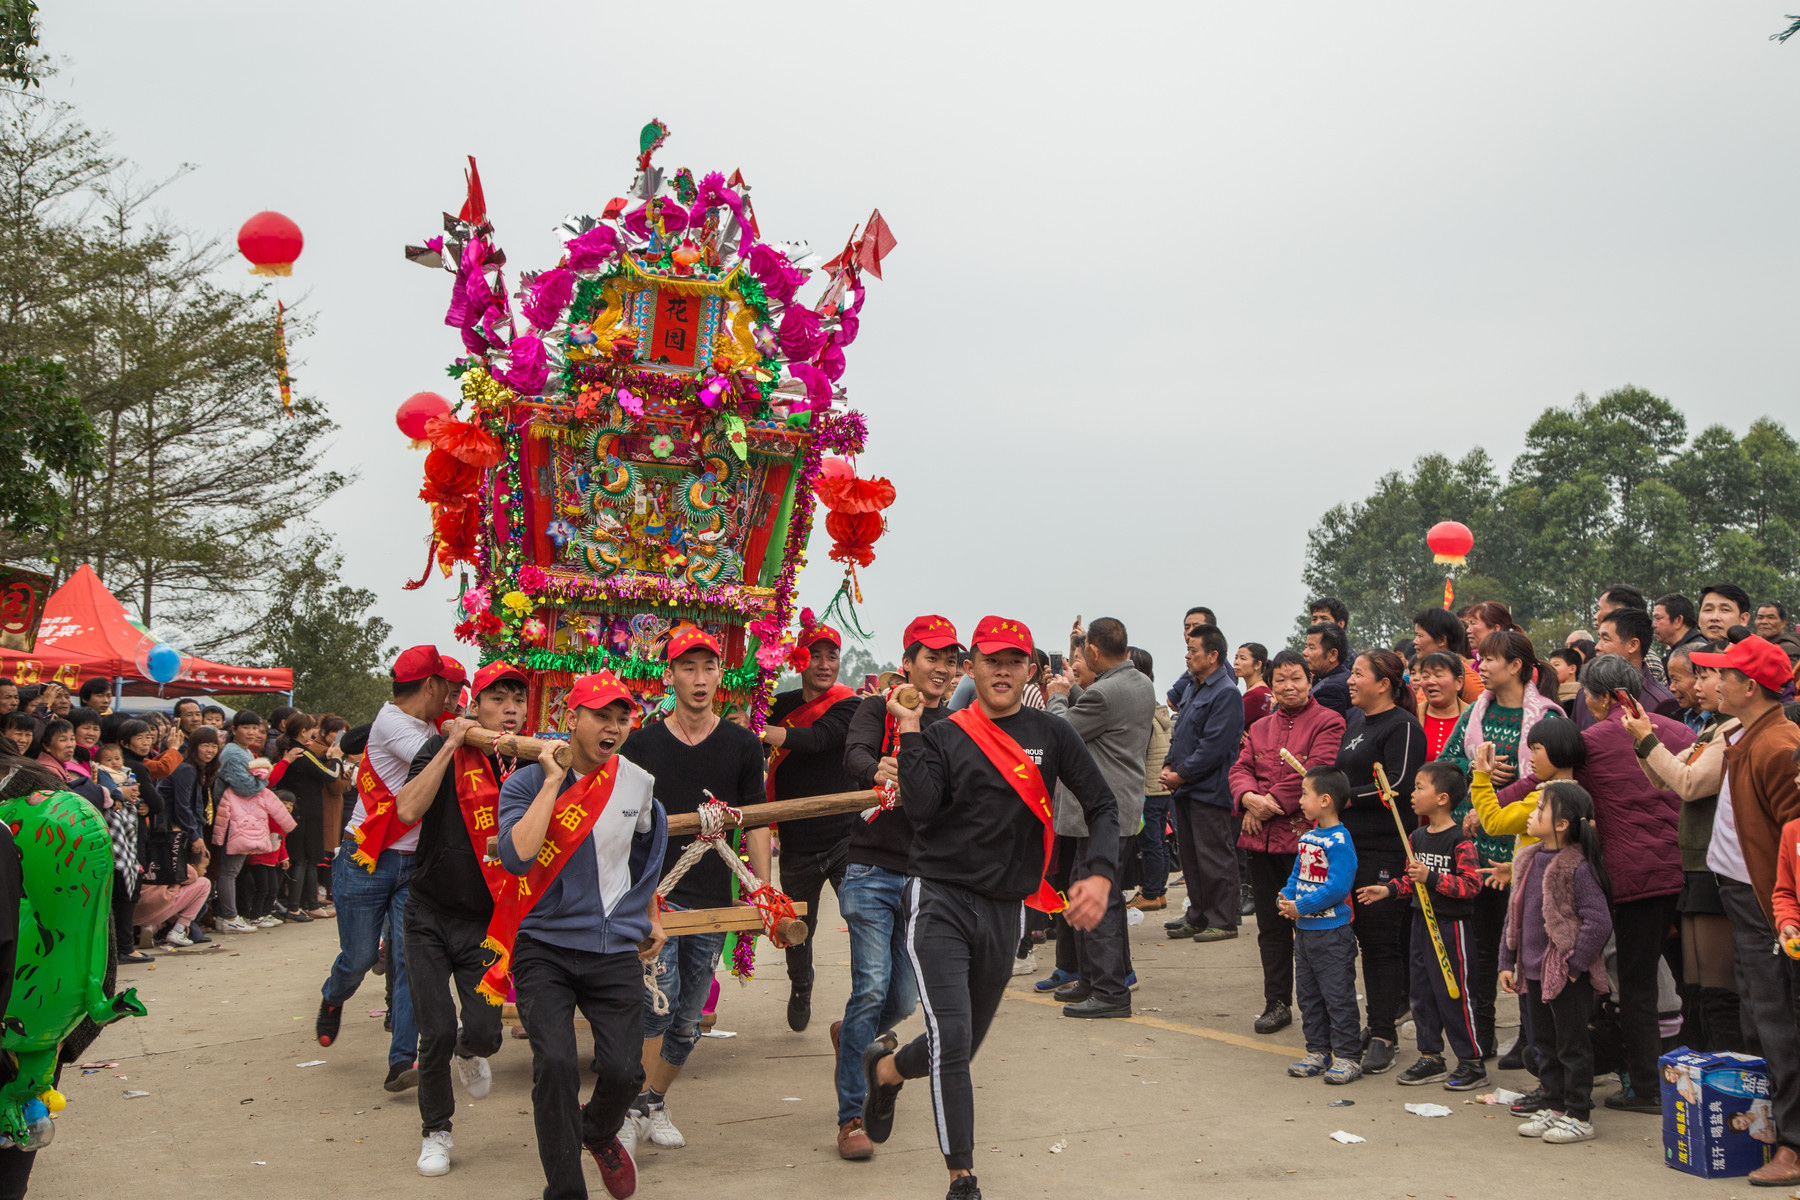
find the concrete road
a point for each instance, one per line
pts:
(1181, 1100)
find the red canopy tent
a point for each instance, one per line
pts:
(85, 633)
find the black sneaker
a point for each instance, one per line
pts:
(1429, 1069)
(799, 1012)
(402, 1075)
(878, 1099)
(1378, 1057)
(963, 1187)
(1276, 1016)
(1531, 1102)
(1626, 1100)
(326, 1027)
(1468, 1076)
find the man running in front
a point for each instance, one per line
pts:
(977, 788)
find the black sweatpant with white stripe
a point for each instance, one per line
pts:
(1435, 1015)
(961, 945)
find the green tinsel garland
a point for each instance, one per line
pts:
(625, 666)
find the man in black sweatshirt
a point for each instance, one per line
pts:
(873, 896)
(978, 788)
(453, 793)
(805, 731)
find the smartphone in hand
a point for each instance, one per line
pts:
(1056, 664)
(1628, 702)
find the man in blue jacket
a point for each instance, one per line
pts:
(587, 843)
(1202, 748)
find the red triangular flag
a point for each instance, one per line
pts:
(877, 240)
(474, 209)
(614, 208)
(737, 178)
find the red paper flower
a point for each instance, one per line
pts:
(853, 495)
(450, 475)
(468, 442)
(487, 623)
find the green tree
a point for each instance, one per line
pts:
(55, 446)
(324, 630)
(199, 474)
(19, 64)
(1603, 492)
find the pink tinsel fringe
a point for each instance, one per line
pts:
(550, 295)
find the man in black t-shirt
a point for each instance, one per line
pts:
(690, 754)
(453, 793)
(805, 729)
(978, 789)
(872, 897)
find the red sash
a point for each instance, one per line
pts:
(576, 811)
(381, 824)
(478, 795)
(1010, 759)
(801, 718)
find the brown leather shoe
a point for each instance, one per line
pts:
(853, 1144)
(1147, 903)
(1780, 1171)
(835, 1026)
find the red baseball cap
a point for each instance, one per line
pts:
(820, 633)
(993, 634)
(493, 673)
(1757, 657)
(454, 671)
(416, 663)
(598, 691)
(933, 632)
(692, 637)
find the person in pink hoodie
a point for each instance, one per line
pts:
(241, 826)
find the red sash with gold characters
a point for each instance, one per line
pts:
(1010, 759)
(573, 819)
(381, 824)
(801, 718)
(478, 794)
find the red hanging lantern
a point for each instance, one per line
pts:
(416, 412)
(1450, 541)
(271, 242)
(853, 536)
(850, 494)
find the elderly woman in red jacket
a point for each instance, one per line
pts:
(1265, 792)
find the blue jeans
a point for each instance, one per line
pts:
(684, 972)
(368, 905)
(883, 992)
(1153, 846)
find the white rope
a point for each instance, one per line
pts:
(716, 817)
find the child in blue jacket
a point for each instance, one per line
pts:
(1317, 899)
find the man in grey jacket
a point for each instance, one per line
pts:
(1112, 714)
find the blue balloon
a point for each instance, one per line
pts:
(163, 663)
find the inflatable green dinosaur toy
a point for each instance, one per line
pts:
(65, 924)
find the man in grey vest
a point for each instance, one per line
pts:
(1113, 715)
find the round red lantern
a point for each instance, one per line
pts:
(1450, 541)
(416, 412)
(853, 536)
(271, 242)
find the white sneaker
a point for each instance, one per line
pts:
(663, 1131)
(236, 925)
(472, 1075)
(1026, 965)
(434, 1153)
(268, 922)
(178, 937)
(1566, 1129)
(1539, 1122)
(631, 1131)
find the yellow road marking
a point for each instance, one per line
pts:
(1199, 1031)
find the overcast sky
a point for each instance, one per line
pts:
(1171, 279)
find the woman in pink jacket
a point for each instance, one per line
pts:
(1265, 792)
(241, 826)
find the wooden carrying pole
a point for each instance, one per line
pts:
(688, 824)
(514, 745)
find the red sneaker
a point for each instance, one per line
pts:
(617, 1170)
